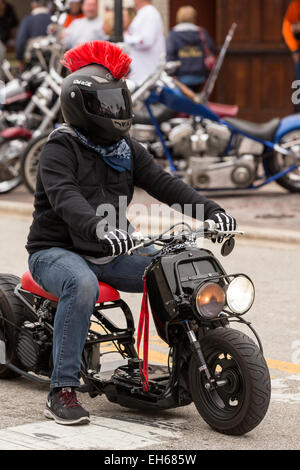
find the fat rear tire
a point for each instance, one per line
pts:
(231, 355)
(12, 310)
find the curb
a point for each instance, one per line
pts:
(25, 209)
(271, 235)
(260, 234)
(16, 208)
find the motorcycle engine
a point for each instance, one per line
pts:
(34, 348)
(204, 137)
(143, 132)
(210, 138)
(214, 172)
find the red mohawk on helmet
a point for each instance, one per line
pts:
(98, 52)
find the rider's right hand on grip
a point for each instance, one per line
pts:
(115, 241)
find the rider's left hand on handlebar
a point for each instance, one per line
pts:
(224, 222)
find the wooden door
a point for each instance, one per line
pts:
(258, 71)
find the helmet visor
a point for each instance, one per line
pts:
(110, 103)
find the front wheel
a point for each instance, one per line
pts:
(10, 154)
(240, 405)
(30, 160)
(277, 162)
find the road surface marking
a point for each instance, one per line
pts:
(162, 357)
(114, 433)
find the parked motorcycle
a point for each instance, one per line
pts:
(40, 116)
(15, 96)
(18, 90)
(142, 128)
(210, 150)
(193, 302)
(213, 153)
(30, 103)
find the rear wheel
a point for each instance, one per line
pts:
(239, 406)
(13, 311)
(278, 162)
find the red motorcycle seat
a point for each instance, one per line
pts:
(106, 292)
(224, 110)
(15, 132)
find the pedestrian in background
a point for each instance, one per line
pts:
(109, 20)
(145, 38)
(291, 34)
(88, 28)
(129, 14)
(32, 26)
(74, 12)
(108, 23)
(192, 46)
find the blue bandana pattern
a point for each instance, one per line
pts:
(117, 155)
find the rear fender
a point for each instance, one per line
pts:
(287, 124)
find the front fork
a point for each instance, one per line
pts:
(211, 382)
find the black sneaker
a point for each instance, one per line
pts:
(62, 406)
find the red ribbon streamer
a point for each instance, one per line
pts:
(144, 326)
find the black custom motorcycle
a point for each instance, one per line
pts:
(193, 303)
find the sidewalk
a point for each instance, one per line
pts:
(270, 214)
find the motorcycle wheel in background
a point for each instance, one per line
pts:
(278, 162)
(10, 153)
(30, 160)
(240, 405)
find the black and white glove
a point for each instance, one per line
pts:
(224, 223)
(116, 241)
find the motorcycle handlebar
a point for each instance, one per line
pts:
(168, 67)
(208, 230)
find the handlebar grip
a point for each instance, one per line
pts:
(209, 225)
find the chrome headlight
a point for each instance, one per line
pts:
(209, 300)
(240, 294)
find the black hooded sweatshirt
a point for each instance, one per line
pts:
(73, 181)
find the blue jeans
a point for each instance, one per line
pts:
(74, 281)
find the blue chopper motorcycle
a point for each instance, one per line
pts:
(209, 151)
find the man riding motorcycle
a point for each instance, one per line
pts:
(86, 165)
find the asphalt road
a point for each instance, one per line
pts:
(275, 270)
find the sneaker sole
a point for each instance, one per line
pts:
(83, 420)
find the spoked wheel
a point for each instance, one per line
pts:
(10, 156)
(30, 161)
(241, 403)
(278, 162)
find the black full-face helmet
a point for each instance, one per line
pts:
(97, 103)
